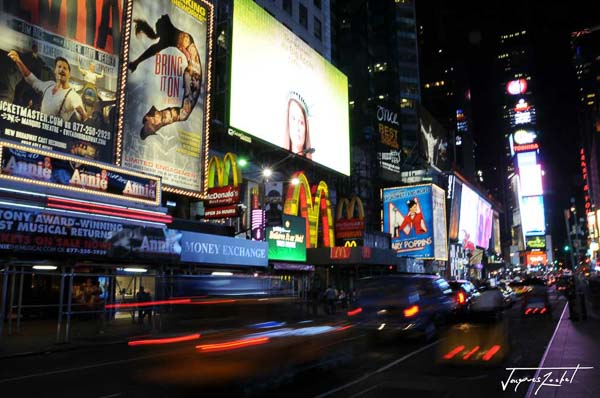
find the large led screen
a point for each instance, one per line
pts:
(532, 215)
(475, 225)
(166, 102)
(531, 180)
(284, 92)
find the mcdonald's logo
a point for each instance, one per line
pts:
(222, 191)
(299, 201)
(349, 226)
(350, 243)
(220, 169)
(340, 253)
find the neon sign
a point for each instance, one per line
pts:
(586, 188)
(516, 87)
(349, 226)
(313, 205)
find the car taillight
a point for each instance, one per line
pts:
(411, 311)
(461, 298)
(355, 311)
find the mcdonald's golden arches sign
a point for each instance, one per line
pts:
(347, 224)
(299, 201)
(223, 194)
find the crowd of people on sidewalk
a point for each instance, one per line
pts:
(330, 299)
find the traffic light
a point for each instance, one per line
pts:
(567, 248)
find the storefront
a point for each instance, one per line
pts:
(343, 266)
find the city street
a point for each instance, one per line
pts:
(352, 365)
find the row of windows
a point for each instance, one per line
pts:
(511, 35)
(435, 84)
(303, 16)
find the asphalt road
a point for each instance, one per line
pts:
(340, 364)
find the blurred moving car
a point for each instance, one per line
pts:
(536, 300)
(510, 297)
(562, 282)
(464, 292)
(519, 287)
(489, 302)
(409, 305)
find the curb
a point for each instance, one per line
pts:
(63, 347)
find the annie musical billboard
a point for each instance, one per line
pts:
(285, 93)
(60, 63)
(165, 121)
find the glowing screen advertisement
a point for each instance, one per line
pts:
(415, 216)
(476, 218)
(532, 215)
(531, 180)
(284, 92)
(166, 100)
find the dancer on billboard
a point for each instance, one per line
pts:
(413, 221)
(169, 36)
(58, 98)
(297, 133)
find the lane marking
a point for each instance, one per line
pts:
(117, 394)
(366, 391)
(380, 370)
(539, 369)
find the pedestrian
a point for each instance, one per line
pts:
(142, 297)
(330, 297)
(343, 299)
(571, 294)
(314, 299)
(580, 287)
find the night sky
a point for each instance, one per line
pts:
(473, 32)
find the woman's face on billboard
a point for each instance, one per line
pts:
(297, 126)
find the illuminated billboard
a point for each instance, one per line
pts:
(60, 66)
(433, 140)
(537, 259)
(285, 93)
(533, 220)
(288, 241)
(475, 221)
(516, 87)
(166, 102)
(415, 217)
(531, 180)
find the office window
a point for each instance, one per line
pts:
(287, 6)
(303, 13)
(317, 3)
(318, 29)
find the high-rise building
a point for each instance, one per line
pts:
(445, 86)
(310, 20)
(585, 44)
(524, 170)
(376, 46)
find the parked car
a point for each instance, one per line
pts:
(409, 305)
(464, 292)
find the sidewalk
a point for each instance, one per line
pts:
(573, 344)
